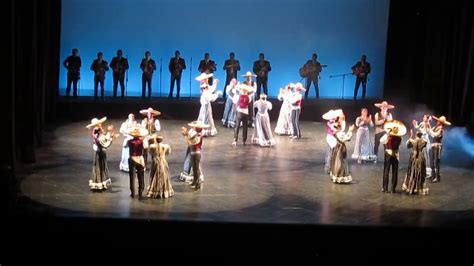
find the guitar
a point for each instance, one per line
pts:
(359, 71)
(305, 71)
(263, 72)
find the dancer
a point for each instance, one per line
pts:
(339, 166)
(392, 139)
(415, 181)
(136, 162)
(424, 127)
(194, 139)
(130, 122)
(152, 124)
(245, 93)
(228, 118)
(437, 134)
(334, 121)
(363, 150)
(381, 118)
(249, 82)
(296, 100)
(284, 126)
(262, 135)
(208, 95)
(160, 184)
(100, 142)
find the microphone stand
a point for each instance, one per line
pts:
(126, 79)
(343, 81)
(161, 73)
(190, 75)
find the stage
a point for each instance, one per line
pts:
(285, 184)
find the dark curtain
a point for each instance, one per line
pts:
(430, 52)
(36, 33)
(29, 103)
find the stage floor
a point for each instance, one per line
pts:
(284, 184)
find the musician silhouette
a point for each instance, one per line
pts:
(119, 66)
(148, 66)
(361, 70)
(99, 66)
(311, 70)
(231, 66)
(261, 67)
(73, 65)
(207, 66)
(176, 67)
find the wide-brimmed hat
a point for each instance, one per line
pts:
(249, 74)
(333, 114)
(245, 87)
(395, 127)
(150, 111)
(442, 119)
(95, 122)
(297, 86)
(204, 76)
(155, 136)
(198, 124)
(136, 131)
(384, 104)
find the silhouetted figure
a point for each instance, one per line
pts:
(119, 66)
(361, 70)
(261, 69)
(73, 64)
(176, 67)
(311, 70)
(99, 66)
(231, 66)
(207, 66)
(148, 66)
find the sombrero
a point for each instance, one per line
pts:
(332, 114)
(155, 136)
(95, 122)
(204, 76)
(395, 127)
(136, 131)
(198, 124)
(442, 119)
(249, 74)
(297, 86)
(384, 104)
(246, 88)
(150, 110)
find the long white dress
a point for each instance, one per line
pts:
(363, 149)
(284, 126)
(262, 135)
(205, 113)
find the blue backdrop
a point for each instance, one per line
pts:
(287, 31)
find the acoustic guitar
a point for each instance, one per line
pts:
(305, 71)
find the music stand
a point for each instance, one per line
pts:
(343, 81)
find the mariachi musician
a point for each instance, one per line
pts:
(311, 71)
(261, 67)
(361, 70)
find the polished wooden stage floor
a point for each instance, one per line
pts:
(285, 184)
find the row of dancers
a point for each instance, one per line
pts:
(425, 142)
(142, 139)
